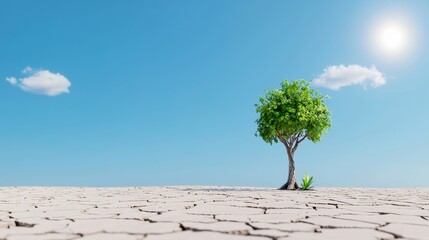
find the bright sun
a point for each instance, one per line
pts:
(392, 38)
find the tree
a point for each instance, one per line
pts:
(290, 115)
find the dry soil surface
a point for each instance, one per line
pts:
(186, 213)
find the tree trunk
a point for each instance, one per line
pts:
(291, 180)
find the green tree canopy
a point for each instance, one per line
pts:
(291, 111)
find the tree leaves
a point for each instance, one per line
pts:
(292, 111)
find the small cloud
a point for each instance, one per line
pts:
(12, 80)
(336, 77)
(27, 70)
(41, 82)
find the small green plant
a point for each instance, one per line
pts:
(306, 182)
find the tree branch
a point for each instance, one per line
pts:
(291, 140)
(297, 136)
(284, 141)
(289, 143)
(302, 139)
(298, 141)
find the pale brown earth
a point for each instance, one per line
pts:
(217, 213)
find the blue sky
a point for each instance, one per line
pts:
(163, 92)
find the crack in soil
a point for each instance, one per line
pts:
(395, 235)
(23, 224)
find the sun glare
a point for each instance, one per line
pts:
(392, 37)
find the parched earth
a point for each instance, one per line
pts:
(212, 213)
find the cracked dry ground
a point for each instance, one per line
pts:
(155, 213)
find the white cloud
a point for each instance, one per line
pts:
(41, 82)
(27, 70)
(12, 80)
(336, 77)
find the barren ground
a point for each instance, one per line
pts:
(186, 213)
